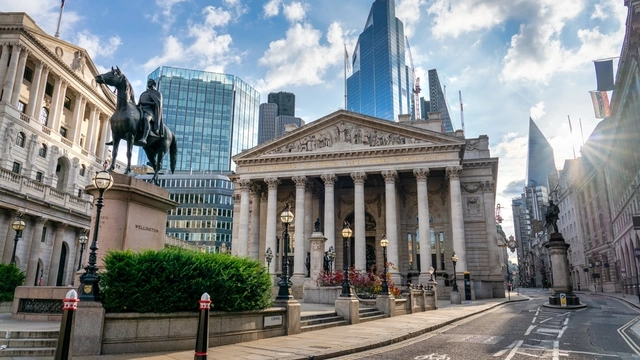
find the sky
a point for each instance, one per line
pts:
(511, 59)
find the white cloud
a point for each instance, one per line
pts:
(409, 12)
(453, 18)
(294, 12)
(300, 58)
(216, 17)
(537, 111)
(167, 16)
(173, 52)
(95, 46)
(45, 13)
(272, 8)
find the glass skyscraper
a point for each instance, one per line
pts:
(381, 83)
(540, 160)
(214, 117)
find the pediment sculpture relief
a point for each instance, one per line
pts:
(344, 133)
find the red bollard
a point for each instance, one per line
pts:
(66, 326)
(202, 340)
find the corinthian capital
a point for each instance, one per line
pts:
(329, 179)
(359, 177)
(453, 172)
(421, 174)
(243, 184)
(272, 183)
(390, 176)
(301, 181)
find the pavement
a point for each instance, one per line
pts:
(320, 344)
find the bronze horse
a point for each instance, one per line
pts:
(126, 124)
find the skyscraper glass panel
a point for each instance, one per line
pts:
(267, 122)
(540, 160)
(214, 116)
(380, 84)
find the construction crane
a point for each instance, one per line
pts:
(417, 114)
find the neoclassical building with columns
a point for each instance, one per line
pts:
(54, 122)
(430, 193)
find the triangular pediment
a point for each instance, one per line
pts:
(344, 131)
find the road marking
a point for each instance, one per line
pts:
(627, 338)
(564, 328)
(531, 327)
(556, 350)
(434, 356)
(513, 351)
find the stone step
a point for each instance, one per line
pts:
(29, 343)
(307, 322)
(367, 310)
(27, 352)
(324, 325)
(53, 334)
(370, 314)
(318, 316)
(372, 318)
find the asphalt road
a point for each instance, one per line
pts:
(527, 330)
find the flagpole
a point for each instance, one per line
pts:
(571, 132)
(581, 133)
(59, 20)
(606, 59)
(346, 59)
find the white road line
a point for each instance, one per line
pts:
(513, 351)
(566, 321)
(531, 327)
(556, 350)
(627, 338)
(564, 328)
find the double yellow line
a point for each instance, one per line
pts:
(627, 338)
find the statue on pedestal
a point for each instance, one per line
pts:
(551, 216)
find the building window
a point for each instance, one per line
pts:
(16, 167)
(79, 193)
(39, 175)
(49, 89)
(67, 102)
(83, 170)
(21, 106)
(63, 132)
(20, 139)
(81, 140)
(44, 116)
(28, 74)
(44, 235)
(42, 152)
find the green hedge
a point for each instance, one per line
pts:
(172, 280)
(10, 278)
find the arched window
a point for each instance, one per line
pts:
(44, 116)
(42, 152)
(83, 169)
(20, 139)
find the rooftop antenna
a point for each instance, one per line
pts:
(571, 132)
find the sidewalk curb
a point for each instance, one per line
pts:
(618, 298)
(401, 338)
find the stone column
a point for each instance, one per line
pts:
(457, 221)
(55, 102)
(57, 118)
(55, 254)
(272, 216)
(329, 209)
(4, 58)
(10, 76)
(41, 92)
(308, 220)
(254, 226)
(299, 255)
(77, 119)
(390, 177)
(241, 246)
(438, 263)
(263, 226)
(17, 83)
(495, 250)
(91, 129)
(9, 239)
(104, 127)
(359, 229)
(35, 89)
(96, 134)
(235, 232)
(34, 252)
(423, 224)
(80, 120)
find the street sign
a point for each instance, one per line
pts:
(563, 300)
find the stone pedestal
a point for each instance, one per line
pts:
(317, 241)
(430, 300)
(292, 322)
(88, 325)
(562, 293)
(456, 297)
(134, 216)
(348, 308)
(386, 304)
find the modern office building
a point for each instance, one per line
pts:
(438, 102)
(381, 83)
(540, 160)
(214, 116)
(271, 125)
(286, 102)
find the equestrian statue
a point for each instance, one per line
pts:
(140, 124)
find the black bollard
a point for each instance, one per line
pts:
(202, 339)
(66, 326)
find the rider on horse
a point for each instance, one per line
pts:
(150, 104)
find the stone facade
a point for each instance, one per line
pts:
(422, 188)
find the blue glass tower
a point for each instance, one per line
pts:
(214, 117)
(540, 160)
(381, 83)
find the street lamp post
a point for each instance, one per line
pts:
(635, 260)
(454, 259)
(269, 256)
(385, 286)
(284, 285)
(331, 254)
(18, 225)
(82, 240)
(89, 281)
(346, 236)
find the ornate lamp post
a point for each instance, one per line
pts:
(17, 225)
(346, 236)
(454, 259)
(284, 285)
(82, 240)
(89, 287)
(385, 286)
(331, 254)
(269, 256)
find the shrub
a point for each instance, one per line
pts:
(172, 280)
(10, 278)
(367, 285)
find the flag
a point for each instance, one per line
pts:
(62, 5)
(604, 75)
(600, 104)
(346, 59)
